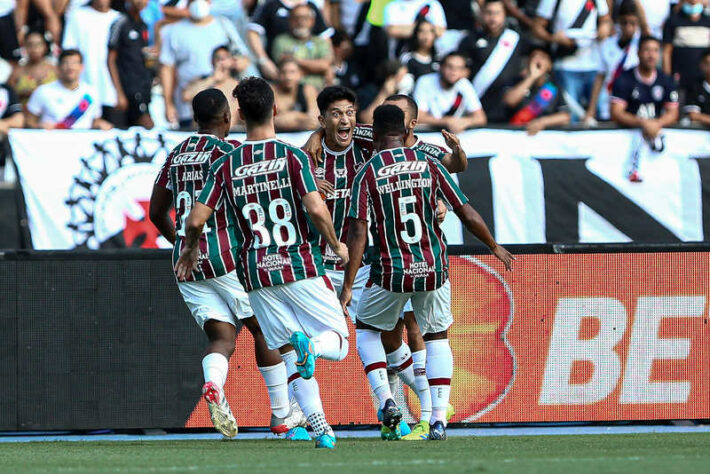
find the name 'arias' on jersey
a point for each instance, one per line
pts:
(184, 173)
(263, 184)
(401, 187)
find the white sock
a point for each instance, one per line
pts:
(400, 361)
(215, 367)
(439, 369)
(275, 379)
(372, 355)
(306, 393)
(422, 384)
(330, 345)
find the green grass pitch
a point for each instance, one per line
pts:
(644, 453)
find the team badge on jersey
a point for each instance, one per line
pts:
(110, 196)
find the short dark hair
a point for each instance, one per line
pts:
(256, 99)
(388, 119)
(457, 54)
(208, 106)
(542, 47)
(70, 52)
(486, 2)
(218, 49)
(332, 94)
(339, 37)
(411, 103)
(646, 38)
(628, 7)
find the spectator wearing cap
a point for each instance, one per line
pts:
(686, 35)
(295, 101)
(420, 53)
(68, 102)
(313, 54)
(447, 99)
(496, 57)
(618, 53)
(186, 54)
(87, 30)
(645, 97)
(272, 19)
(131, 78)
(535, 101)
(575, 26)
(36, 71)
(698, 98)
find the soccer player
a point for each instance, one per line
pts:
(212, 291)
(264, 185)
(400, 187)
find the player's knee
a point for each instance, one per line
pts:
(252, 325)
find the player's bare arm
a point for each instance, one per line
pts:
(477, 226)
(323, 222)
(357, 242)
(194, 224)
(314, 147)
(160, 203)
(456, 161)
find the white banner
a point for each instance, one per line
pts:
(91, 188)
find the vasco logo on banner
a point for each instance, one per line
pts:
(109, 197)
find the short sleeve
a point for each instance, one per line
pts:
(360, 198)
(95, 111)
(447, 189)
(692, 100)
(212, 192)
(602, 7)
(114, 36)
(471, 98)
(167, 55)
(259, 20)
(320, 28)
(71, 38)
(302, 177)
(163, 178)
(546, 8)
(669, 30)
(35, 105)
(621, 92)
(670, 98)
(436, 15)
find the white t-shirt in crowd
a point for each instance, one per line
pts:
(6, 7)
(54, 103)
(404, 12)
(431, 97)
(586, 57)
(611, 56)
(188, 47)
(87, 30)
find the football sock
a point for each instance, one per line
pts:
(215, 367)
(330, 345)
(400, 361)
(422, 384)
(439, 369)
(392, 380)
(306, 393)
(275, 379)
(372, 355)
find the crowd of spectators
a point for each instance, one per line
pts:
(528, 63)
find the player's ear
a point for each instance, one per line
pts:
(321, 121)
(276, 110)
(241, 114)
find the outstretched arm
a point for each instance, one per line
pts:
(476, 225)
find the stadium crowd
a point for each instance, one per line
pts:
(529, 63)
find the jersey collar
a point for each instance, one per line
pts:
(648, 82)
(328, 150)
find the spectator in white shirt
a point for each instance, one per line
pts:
(67, 103)
(400, 16)
(447, 99)
(576, 27)
(87, 30)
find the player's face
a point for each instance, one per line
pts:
(409, 121)
(339, 122)
(649, 54)
(453, 69)
(70, 68)
(629, 25)
(426, 36)
(494, 16)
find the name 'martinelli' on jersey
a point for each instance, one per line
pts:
(260, 168)
(401, 168)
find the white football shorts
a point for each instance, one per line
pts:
(381, 308)
(309, 306)
(222, 298)
(337, 277)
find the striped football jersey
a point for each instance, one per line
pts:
(263, 183)
(339, 168)
(184, 173)
(400, 187)
(362, 135)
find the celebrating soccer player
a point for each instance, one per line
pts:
(212, 290)
(265, 184)
(400, 187)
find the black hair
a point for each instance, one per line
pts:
(413, 42)
(646, 39)
(628, 7)
(208, 106)
(70, 52)
(332, 94)
(256, 99)
(218, 49)
(457, 54)
(339, 37)
(486, 2)
(411, 103)
(540, 47)
(388, 119)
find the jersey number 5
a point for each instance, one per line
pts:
(409, 217)
(258, 227)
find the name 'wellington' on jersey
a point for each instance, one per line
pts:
(184, 173)
(401, 187)
(339, 168)
(264, 183)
